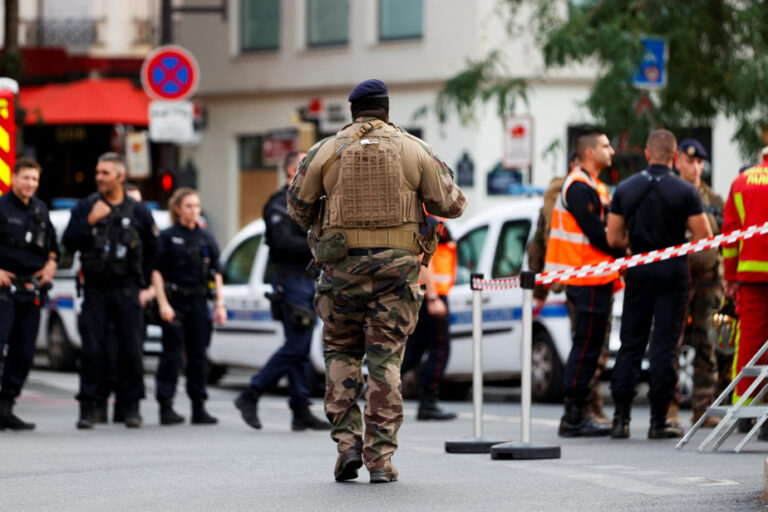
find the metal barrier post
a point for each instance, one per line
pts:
(478, 444)
(526, 450)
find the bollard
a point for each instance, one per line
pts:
(524, 449)
(477, 444)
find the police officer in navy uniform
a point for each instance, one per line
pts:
(116, 237)
(186, 275)
(294, 290)
(28, 256)
(651, 211)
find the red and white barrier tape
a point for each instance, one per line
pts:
(624, 263)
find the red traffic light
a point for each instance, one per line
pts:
(167, 182)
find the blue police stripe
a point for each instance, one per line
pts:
(249, 315)
(507, 314)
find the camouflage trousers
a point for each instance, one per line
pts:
(699, 332)
(369, 306)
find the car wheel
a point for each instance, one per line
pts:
(546, 369)
(215, 372)
(61, 355)
(685, 374)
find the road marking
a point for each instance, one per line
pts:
(702, 480)
(610, 481)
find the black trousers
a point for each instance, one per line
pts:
(656, 295)
(19, 322)
(119, 307)
(432, 336)
(190, 331)
(591, 314)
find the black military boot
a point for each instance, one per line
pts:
(167, 415)
(132, 416)
(247, 402)
(659, 428)
(86, 420)
(10, 421)
(429, 410)
(621, 416)
(303, 419)
(577, 423)
(200, 416)
(100, 412)
(347, 464)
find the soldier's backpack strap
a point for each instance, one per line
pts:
(365, 128)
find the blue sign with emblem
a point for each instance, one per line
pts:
(652, 71)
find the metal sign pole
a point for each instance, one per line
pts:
(477, 444)
(477, 362)
(524, 449)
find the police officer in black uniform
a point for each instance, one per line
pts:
(116, 237)
(292, 303)
(28, 255)
(650, 211)
(186, 275)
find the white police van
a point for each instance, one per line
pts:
(58, 336)
(492, 243)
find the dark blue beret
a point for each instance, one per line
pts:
(693, 148)
(370, 88)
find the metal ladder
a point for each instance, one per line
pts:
(731, 414)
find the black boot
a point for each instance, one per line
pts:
(303, 419)
(132, 416)
(87, 413)
(621, 416)
(167, 415)
(10, 421)
(577, 423)
(247, 402)
(118, 411)
(200, 416)
(659, 428)
(100, 412)
(429, 410)
(762, 434)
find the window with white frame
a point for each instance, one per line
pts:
(259, 25)
(401, 19)
(327, 22)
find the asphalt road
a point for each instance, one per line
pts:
(232, 467)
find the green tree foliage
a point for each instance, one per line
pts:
(718, 62)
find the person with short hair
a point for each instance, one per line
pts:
(651, 210)
(28, 261)
(293, 288)
(116, 237)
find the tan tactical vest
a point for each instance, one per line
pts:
(371, 201)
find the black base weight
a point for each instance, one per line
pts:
(524, 451)
(470, 446)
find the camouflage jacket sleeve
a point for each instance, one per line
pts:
(307, 186)
(440, 194)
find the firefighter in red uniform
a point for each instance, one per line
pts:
(746, 266)
(431, 336)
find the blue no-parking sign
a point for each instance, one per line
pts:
(652, 71)
(170, 73)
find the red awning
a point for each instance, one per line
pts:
(89, 101)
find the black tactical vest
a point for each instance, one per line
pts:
(116, 250)
(35, 236)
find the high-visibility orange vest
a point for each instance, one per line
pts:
(568, 246)
(443, 267)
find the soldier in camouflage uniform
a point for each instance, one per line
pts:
(705, 293)
(375, 178)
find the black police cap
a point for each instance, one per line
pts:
(371, 88)
(693, 148)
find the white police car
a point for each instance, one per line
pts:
(58, 336)
(492, 243)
